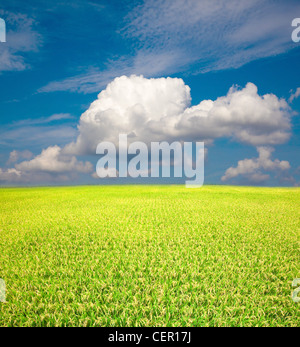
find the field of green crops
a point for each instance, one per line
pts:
(149, 256)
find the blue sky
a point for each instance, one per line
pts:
(58, 57)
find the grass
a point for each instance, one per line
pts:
(149, 256)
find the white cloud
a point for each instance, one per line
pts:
(21, 38)
(51, 160)
(170, 36)
(43, 120)
(15, 156)
(49, 166)
(216, 34)
(145, 63)
(251, 168)
(295, 95)
(41, 131)
(10, 175)
(129, 105)
(159, 109)
(13, 176)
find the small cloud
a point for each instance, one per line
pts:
(51, 160)
(294, 95)
(41, 132)
(251, 168)
(17, 155)
(49, 166)
(10, 175)
(21, 38)
(43, 120)
(258, 177)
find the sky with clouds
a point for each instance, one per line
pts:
(75, 73)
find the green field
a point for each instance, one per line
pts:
(149, 256)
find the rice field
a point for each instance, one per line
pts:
(149, 256)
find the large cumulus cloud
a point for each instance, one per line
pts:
(132, 105)
(159, 109)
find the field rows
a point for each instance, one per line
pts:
(149, 256)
